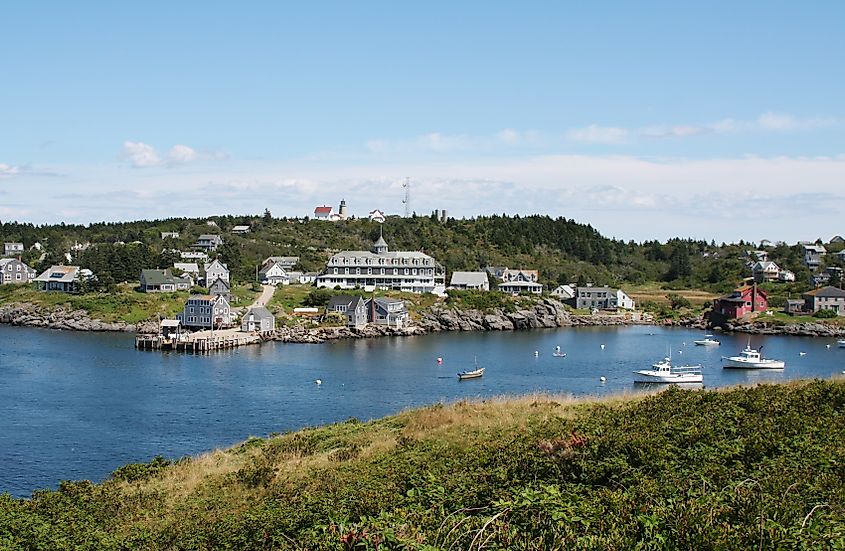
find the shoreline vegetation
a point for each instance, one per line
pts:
(737, 468)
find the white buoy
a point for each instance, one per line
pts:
(602, 347)
(536, 353)
(680, 351)
(439, 361)
(318, 382)
(828, 346)
(602, 379)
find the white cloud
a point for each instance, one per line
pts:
(677, 131)
(786, 122)
(516, 138)
(439, 143)
(7, 171)
(182, 154)
(767, 122)
(142, 155)
(598, 134)
(621, 195)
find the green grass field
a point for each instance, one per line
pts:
(126, 304)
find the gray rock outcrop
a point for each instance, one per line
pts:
(29, 315)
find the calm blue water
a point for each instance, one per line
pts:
(78, 405)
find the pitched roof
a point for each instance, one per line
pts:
(160, 277)
(269, 266)
(339, 300)
(468, 278)
(187, 266)
(323, 210)
(4, 261)
(205, 298)
(827, 292)
(220, 281)
(260, 312)
(282, 259)
(63, 274)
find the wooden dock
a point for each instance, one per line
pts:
(197, 342)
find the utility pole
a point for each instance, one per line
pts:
(407, 199)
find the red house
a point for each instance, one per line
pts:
(743, 301)
(322, 213)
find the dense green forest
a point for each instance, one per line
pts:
(563, 250)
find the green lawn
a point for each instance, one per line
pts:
(243, 295)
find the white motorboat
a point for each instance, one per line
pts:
(663, 372)
(557, 353)
(751, 359)
(708, 340)
(841, 343)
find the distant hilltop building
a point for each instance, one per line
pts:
(379, 268)
(377, 216)
(325, 212)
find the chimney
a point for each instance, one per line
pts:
(754, 297)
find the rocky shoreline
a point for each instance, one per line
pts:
(547, 313)
(30, 315)
(795, 330)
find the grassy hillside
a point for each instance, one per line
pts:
(562, 250)
(747, 468)
(121, 303)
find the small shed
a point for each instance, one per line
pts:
(258, 319)
(170, 328)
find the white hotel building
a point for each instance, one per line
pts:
(408, 271)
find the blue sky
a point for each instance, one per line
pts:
(648, 120)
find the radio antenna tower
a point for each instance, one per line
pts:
(407, 200)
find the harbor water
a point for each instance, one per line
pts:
(79, 405)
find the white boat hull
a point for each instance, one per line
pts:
(707, 343)
(740, 364)
(647, 376)
(841, 344)
(471, 374)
